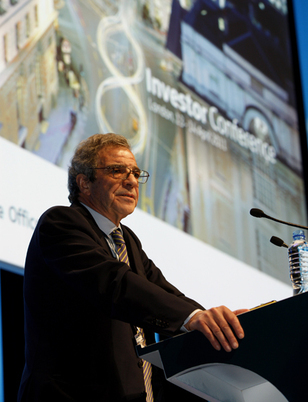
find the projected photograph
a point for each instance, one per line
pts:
(204, 90)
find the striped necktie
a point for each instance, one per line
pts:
(147, 367)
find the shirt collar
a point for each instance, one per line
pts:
(102, 222)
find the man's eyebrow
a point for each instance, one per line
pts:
(126, 166)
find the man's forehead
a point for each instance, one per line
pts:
(116, 155)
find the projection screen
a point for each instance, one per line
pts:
(204, 90)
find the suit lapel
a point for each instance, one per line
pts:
(83, 211)
(132, 249)
(133, 254)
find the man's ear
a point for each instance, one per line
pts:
(83, 183)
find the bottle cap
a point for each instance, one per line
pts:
(298, 234)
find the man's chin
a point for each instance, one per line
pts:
(124, 211)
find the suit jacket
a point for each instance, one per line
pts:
(80, 305)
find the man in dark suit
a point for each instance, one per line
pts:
(85, 299)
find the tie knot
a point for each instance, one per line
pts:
(118, 237)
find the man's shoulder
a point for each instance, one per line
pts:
(74, 211)
(60, 219)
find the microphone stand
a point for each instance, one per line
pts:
(258, 213)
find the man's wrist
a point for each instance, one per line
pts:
(185, 329)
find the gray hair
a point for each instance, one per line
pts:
(86, 158)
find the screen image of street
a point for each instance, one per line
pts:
(204, 90)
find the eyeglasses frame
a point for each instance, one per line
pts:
(143, 173)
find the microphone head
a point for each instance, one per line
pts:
(257, 213)
(278, 242)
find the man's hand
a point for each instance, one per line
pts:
(216, 324)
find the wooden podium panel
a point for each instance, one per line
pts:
(271, 360)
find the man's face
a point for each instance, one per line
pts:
(113, 198)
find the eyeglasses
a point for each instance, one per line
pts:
(123, 172)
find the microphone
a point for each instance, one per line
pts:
(258, 213)
(278, 242)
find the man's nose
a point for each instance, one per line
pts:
(131, 179)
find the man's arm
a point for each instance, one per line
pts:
(215, 323)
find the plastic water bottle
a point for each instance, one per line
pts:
(298, 262)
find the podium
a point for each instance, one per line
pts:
(270, 365)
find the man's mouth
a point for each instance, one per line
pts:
(127, 195)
